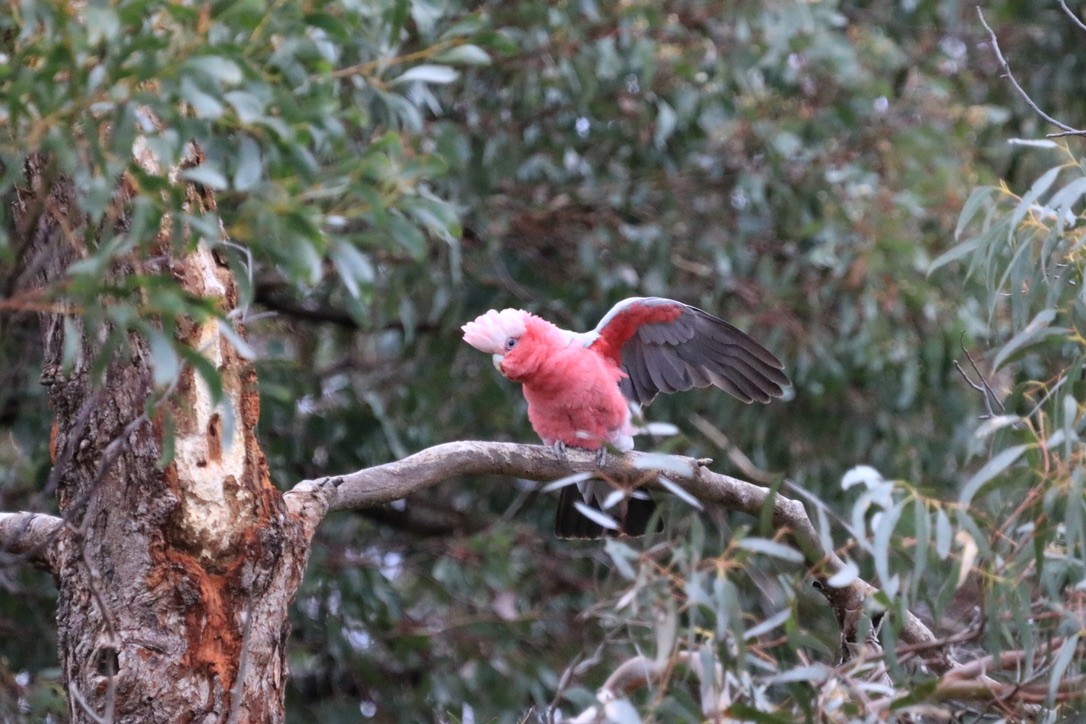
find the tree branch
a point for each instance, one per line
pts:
(1074, 18)
(272, 296)
(1065, 129)
(311, 500)
(30, 535)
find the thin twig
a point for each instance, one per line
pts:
(1067, 130)
(982, 387)
(364, 69)
(1074, 18)
(73, 691)
(111, 630)
(243, 661)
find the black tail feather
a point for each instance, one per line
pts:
(632, 515)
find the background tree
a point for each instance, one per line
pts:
(376, 174)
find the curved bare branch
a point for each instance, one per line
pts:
(1074, 18)
(312, 499)
(1065, 130)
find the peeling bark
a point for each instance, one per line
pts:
(170, 577)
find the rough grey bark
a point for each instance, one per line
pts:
(174, 581)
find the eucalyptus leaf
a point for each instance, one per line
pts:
(978, 198)
(775, 621)
(206, 175)
(215, 67)
(771, 548)
(250, 168)
(1039, 187)
(165, 364)
(427, 73)
(673, 488)
(466, 54)
(601, 519)
(848, 573)
(355, 268)
(1037, 329)
(990, 470)
(563, 482)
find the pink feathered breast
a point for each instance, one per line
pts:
(572, 391)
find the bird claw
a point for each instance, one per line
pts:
(560, 449)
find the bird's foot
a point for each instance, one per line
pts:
(560, 451)
(601, 457)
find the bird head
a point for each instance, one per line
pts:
(496, 333)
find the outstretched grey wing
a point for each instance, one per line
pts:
(668, 346)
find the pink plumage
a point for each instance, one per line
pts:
(579, 387)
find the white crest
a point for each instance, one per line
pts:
(489, 331)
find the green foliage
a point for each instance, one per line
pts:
(318, 173)
(1027, 501)
(385, 170)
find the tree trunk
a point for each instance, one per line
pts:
(174, 579)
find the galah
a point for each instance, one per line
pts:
(580, 386)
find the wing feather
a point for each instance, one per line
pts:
(668, 346)
(665, 364)
(759, 378)
(655, 367)
(672, 333)
(699, 377)
(723, 352)
(748, 382)
(716, 330)
(640, 384)
(725, 383)
(768, 380)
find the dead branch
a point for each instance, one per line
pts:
(33, 534)
(971, 681)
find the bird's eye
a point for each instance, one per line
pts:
(510, 343)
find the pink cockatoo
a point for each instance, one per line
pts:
(580, 386)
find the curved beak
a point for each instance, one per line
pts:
(498, 359)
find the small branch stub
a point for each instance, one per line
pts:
(31, 535)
